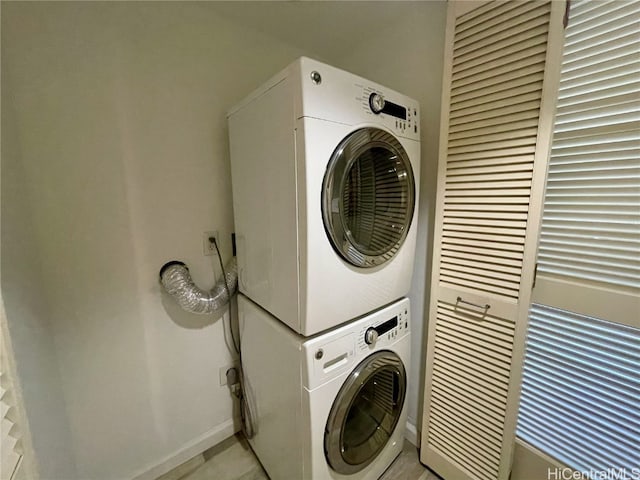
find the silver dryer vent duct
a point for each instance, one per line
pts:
(177, 282)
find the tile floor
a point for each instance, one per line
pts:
(234, 460)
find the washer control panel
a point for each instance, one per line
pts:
(384, 332)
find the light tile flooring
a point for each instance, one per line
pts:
(234, 460)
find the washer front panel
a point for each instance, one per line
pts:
(365, 413)
(368, 197)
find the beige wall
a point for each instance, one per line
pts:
(30, 331)
(120, 122)
(120, 112)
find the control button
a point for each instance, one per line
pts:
(406, 325)
(319, 354)
(415, 129)
(376, 102)
(370, 336)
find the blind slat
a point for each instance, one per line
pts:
(602, 18)
(580, 399)
(582, 379)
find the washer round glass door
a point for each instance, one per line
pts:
(368, 197)
(365, 412)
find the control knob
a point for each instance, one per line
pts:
(376, 102)
(370, 336)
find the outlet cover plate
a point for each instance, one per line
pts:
(208, 248)
(223, 372)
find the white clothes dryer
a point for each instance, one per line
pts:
(330, 407)
(325, 169)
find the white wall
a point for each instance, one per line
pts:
(30, 332)
(120, 115)
(120, 111)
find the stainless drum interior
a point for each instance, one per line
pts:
(368, 197)
(365, 413)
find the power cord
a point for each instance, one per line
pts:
(236, 382)
(236, 344)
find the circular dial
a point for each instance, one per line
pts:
(370, 336)
(376, 102)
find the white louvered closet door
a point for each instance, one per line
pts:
(501, 66)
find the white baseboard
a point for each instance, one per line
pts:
(411, 434)
(188, 451)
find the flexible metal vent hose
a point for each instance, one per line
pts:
(177, 282)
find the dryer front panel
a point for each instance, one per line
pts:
(368, 197)
(365, 413)
(333, 290)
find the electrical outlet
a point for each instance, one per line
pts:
(207, 245)
(224, 370)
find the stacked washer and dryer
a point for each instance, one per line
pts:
(325, 167)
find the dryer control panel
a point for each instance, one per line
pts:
(329, 93)
(383, 332)
(397, 115)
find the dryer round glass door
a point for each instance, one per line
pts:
(365, 412)
(368, 197)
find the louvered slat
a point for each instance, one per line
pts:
(485, 95)
(488, 92)
(469, 388)
(504, 29)
(490, 159)
(490, 22)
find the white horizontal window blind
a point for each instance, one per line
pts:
(580, 399)
(591, 221)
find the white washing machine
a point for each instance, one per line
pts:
(330, 407)
(325, 169)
